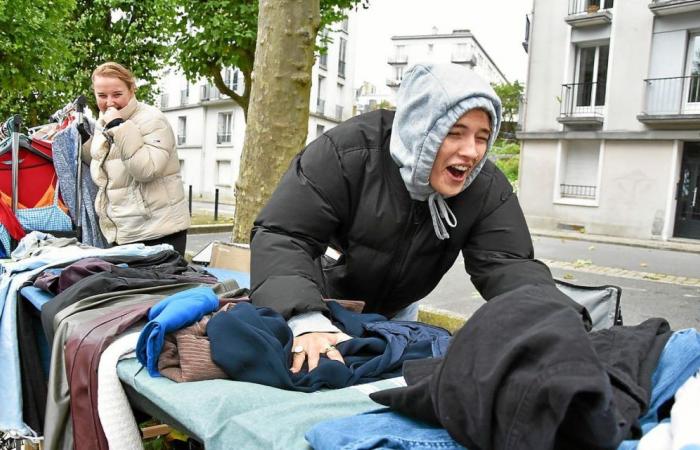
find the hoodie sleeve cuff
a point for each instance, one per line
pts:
(313, 321)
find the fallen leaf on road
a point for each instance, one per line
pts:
(592, 247)
(582, 262)
(643, 264)
(568, 276)
(651, 276)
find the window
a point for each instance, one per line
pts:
(164, 100)
(341, 57)
(591, 76)
(320, 129)
(182, 168)
(223, 133)
(181, 130)
(344, 25)
(184, 95)
(602, 4)
(579, 170)
(692, 72)
(224, 176)
(340, 96)
(231, 78)
(398, 73)
(320, 95)
(430, 49)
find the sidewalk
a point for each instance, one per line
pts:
(679, 245)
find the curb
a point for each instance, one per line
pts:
(678, 246)
(213, 228)
(439, 317)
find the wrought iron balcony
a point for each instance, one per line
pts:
(585, 13)
(668, 7)
(582, 104)
(672, 102)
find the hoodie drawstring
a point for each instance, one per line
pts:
(439, 211)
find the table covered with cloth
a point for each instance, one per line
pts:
(223, 414)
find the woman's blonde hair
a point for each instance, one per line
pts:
(115, 70)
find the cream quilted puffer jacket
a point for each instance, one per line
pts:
(137, 172)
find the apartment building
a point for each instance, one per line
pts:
(459, 47)
(210, 127)
(611, 126)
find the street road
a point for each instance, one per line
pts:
(646, 291)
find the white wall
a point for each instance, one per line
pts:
(628, 64)
(549, 47)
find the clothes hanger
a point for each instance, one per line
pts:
(24, 144)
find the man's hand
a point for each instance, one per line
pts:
(312, 345)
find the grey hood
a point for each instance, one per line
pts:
(431, 99)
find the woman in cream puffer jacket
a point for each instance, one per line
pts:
(135, 166)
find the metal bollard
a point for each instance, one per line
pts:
(216, 204)
(190, 200)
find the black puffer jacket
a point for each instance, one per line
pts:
(345, 190)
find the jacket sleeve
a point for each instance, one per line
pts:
(498, 253)
(145, 153)
(293, 230)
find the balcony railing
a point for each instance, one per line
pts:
(463, 58)
(223, 138)
(672, 96)
(588, 6)
(208, 92)
(321, 107)
(668, 7)
(577, 191)
(398, 59)
(582, 102)
(393, 82)
(184, 97)
(339, 112)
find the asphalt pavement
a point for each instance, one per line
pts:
(655, 282)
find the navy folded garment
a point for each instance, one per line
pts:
(171, 314)
(254, 344)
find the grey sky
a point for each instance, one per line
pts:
(498, 25)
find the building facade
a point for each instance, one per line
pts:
(210, 127)
(459, 47)
(610, 141)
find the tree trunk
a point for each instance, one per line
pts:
(278, 114)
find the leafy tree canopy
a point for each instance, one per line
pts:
(215, 34)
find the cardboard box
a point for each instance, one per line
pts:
(230, 256)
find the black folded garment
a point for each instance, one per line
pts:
(523, 373)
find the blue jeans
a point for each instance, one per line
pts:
(378, 429)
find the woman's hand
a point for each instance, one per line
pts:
(312, 345)
(110, 114)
